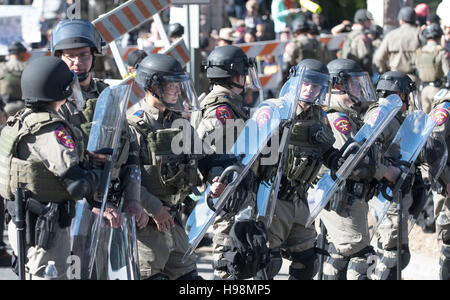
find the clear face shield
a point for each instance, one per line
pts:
(314, 87)
(77, 95)
(177, 93)
(414, 98)
(252, 80)
(358, 86)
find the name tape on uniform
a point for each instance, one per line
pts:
(127, 16)
(263, 48)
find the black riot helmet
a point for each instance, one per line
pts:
(355, 82)
(407, 14)
(176, 30)
(16, 48)
(135, 57)
(48, 79)
(396, 82)
(433, 31)
(315, 82)
(164, 77)
(362, 15)
(227, 61)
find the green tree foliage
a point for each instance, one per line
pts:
(339, 10)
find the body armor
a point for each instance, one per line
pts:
(166, 175)
(426, 66)
(31, 175)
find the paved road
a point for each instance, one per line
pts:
(420, 267)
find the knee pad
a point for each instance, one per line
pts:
(274, 265)
(386, 268)
(359, 264)
(193, 275)
(444, 262)
(303, 265)
(335, 265)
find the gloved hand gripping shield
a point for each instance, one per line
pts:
(90, 235)
(379, 118)
(250, 143)
(404, 150)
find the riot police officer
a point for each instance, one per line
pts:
(400, 84)
(226, 70)
(432, 65)
(42, 156)
(10, 73)
(441, 186)
(346, 219)
(309, 147)
(77, 42)
(167, 177)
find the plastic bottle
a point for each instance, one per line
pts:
(50, 271)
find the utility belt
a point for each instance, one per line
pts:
(436, 83)
(41, 219)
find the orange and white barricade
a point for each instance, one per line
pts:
(127, 16)
(179, 51)
(263, 48)
(333, 42)
(270, 81)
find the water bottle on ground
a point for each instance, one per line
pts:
(50, 271)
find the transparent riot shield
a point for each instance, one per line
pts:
(379, 118)
(247, 148)
(109, 117)
(267, 194)
(405, 148)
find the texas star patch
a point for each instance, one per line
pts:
(263, 117)
(64, 137)
(440, 115)
(342, 124)
(224, 113)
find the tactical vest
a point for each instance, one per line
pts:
(10, 85)
(31, 175)
(304, 158)
(164, 174)
(426, 64)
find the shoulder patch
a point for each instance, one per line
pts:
(224, 113)
(64, 137)
(440, 115)
(139, 113)
(263, 116)
(342, 124)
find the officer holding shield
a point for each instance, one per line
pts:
(400, 84)
(167, 178)
(48, 181)
(309, 147)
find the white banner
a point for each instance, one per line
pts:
(31, 32)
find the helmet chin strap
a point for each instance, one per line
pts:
(82, 76)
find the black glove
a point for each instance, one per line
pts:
(81, 183)
(318, 134)
(332, 159)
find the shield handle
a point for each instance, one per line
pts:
(223, 176)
